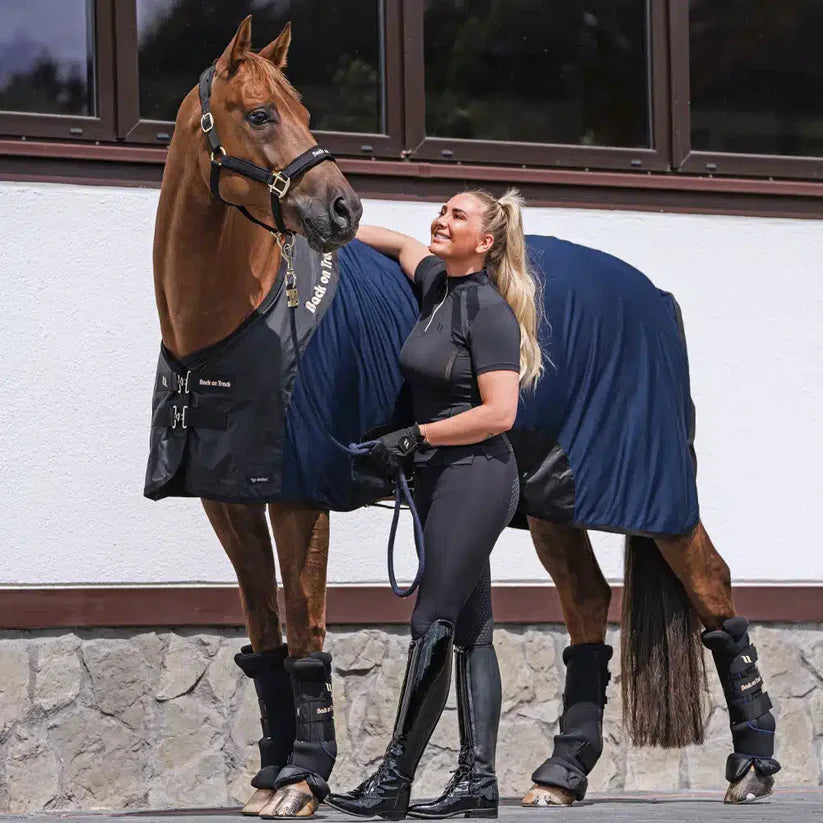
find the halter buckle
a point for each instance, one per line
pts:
(207, 122)
(279, 184)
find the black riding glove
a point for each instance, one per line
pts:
(393, 451)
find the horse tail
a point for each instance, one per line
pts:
(663, 672)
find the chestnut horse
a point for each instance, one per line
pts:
(212, 269)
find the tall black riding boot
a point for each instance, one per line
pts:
(751, 721)
(315, 747)
(580, 742)
(274, 694)
(425, 689)
(472, 791)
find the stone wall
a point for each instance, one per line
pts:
(131, 719)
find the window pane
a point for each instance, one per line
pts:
(757, 76)
(574, 71)
(334, 60)
(47, 57)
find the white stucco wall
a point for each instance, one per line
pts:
(79, 336)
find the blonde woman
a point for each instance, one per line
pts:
(473, 348)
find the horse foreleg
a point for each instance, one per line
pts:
(706, 579)
(567, 555)
(244, 535)
(301, 535)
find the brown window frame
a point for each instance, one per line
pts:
(123, 139)
(442, 149)
(687, 160)
(66, 126)
(133, 129)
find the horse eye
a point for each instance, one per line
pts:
(258, 117)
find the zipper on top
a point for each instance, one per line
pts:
(437, 307)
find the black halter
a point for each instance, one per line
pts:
(277, 181)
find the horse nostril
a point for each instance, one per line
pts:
(341, 208)
(342, 213)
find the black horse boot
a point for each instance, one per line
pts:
(472, 791)
(315, 746)
(274, 694)
(422, 698)
(752, 723)
(580, 742)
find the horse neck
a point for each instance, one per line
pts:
(212, 267)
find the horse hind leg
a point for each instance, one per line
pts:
(750, 769)
(567, 555)
(244, 535)
(301, 535)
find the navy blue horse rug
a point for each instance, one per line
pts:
(605, 441)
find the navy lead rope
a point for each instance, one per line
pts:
(401, 484)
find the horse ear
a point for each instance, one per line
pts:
(277, 51)
(239, 47)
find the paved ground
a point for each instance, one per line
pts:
(785, 806)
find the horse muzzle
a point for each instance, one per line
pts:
(331, 223)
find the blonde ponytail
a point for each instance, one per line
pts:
(508, 267)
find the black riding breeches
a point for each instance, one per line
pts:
(464, 507)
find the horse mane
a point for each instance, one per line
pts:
(264, 71)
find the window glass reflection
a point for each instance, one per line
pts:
(526, 70)
(756, 76)
(334, 60)
(47, 57)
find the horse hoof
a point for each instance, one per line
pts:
(750, 787)
(258, 801)
(295, 800)
(539, 795)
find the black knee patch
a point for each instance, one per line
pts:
(274, 695)
(751, 720)
(315, 748)
(475, 623)
(580, 743)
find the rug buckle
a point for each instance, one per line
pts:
(179, 417)
(183, 382)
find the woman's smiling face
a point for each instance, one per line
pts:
(457, 232)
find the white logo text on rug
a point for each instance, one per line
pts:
(321, 288)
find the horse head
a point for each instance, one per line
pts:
(261, 120)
